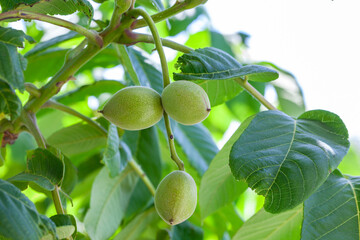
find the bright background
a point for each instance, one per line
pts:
(318, 41)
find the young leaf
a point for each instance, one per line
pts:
(264, 225)
(21, 180)
(10, 104)
(287, 159)
(215, 64)
(112, 158)
(19, 217)
(78, 138)
(218, 186)
(14, 37)
(12, 65)
(65, 225)
(135, 228)
(52, 7)
(332, 212)
(108, 203)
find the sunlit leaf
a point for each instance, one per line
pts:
(14, 37)
(264, 225)
(332, 212)
(286, 159)
(109, 201)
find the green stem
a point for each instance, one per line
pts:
(66, 109)
(157, 40)
(142, 175)
(158, 17)
(171, 140)
(32, 89)
(29, 120)
(248, 87)
(16, 14)
(133, 38)
(166, 78)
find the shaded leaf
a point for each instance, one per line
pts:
(21, 180)
(332, 212)
(218, 186)
(19, 217)
(219, 41)
(52, 7)
(286, 159)
(65, 225)
(10, 104)
(135, 228)
(11, 66)
(186, 230)
(14, 37)
(78, 138)
(264, 225)
(108, 203)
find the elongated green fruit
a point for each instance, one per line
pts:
(175, 197)
(134, 108)
(186, 102)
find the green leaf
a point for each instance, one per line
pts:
(21, 180)
(152, 4)
(10, 104)
(112, 158)
(197, 144)
(145, 149)
(70, 176)
(52, 7)
(186, 230)
(214, 64)
(42, 46)
(78, 138)
(219, 41)
(126, 62)
(264, 225)
(65, 225)
(332, 212)
(108, 203)
(182, 22)
(12, 65)
(136, 227)
(14, 37)
(53, 59)
(218, 187)
(19, 218)
(286, 159)
(148, 74)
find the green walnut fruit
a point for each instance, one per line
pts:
(186, 102)
(134, 108)
(175, 197)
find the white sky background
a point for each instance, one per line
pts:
(317, 40)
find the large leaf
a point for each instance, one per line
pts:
(215, 64)
(52, 7)
(12, 65)
(287, 159)
(19, 217)
(332, 212)
(78, 138)
(9, 102)
(52, 58)
(218, 186)
(135, 228)
(144, 146)
(264, 225)
(14, 37)
(109, 201)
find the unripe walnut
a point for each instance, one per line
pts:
(175, 197)
(186, 102)
(134, 108)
